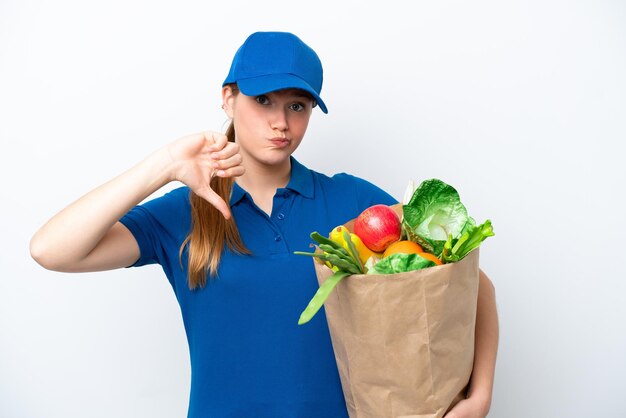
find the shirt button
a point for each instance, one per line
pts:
(280, 216)
(277, 238)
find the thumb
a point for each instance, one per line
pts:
(214, 199)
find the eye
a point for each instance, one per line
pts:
(297, 107)
(262, 99)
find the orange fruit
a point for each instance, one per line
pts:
(431, 257)
(403, 247)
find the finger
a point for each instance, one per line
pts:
(231, 172)
(214, 199)
(217, 140)
(229, 150)
(225, 163)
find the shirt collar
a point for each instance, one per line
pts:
(300, 181)
(236, 194)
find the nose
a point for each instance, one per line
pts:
(279, 120)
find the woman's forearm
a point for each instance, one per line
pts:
(74, 232)
(486, 344)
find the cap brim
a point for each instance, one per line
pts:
(266, 84)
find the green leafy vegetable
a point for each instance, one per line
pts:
(433, 214)
(399, 263)
(455, 249)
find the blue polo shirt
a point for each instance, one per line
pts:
(249, 358)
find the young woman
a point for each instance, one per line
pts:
(226, 239)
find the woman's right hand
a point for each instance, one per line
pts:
(197, 158)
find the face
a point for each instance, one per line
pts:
(269, 127)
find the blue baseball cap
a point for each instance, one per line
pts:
(271, 61)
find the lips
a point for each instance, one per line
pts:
(280, 142)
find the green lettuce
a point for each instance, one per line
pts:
(435, 218)
(399, 263)
(433, 214)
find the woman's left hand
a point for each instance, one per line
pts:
(478, 401)
(471, 407)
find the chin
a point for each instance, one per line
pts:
(274, 157)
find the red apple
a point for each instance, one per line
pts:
(378, 226)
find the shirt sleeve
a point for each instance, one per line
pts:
(369, 194)
(159, 224)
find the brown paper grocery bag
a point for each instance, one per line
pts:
(404, 343)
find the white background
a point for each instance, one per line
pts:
(518, 104)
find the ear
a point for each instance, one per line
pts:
(228, 99)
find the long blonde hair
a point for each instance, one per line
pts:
(210, 231)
